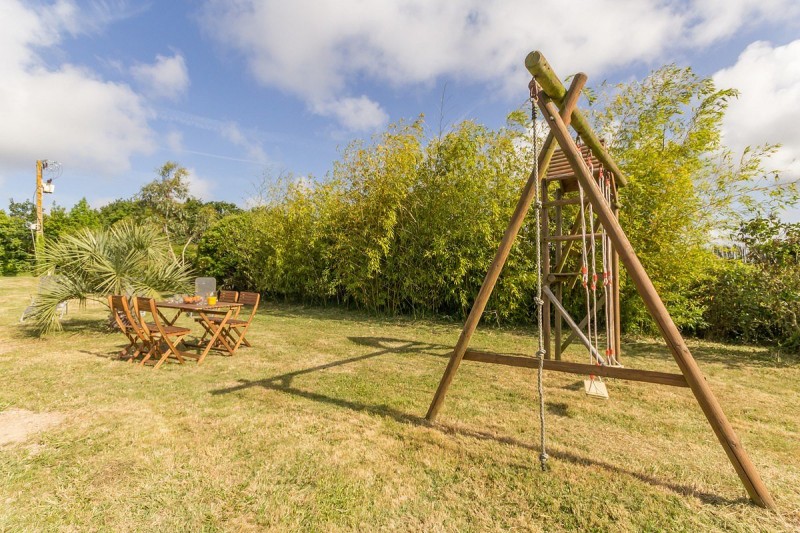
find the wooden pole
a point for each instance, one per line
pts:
(540, 69)
(615, 294)
(39, 215)
(559, 292)
(581, 325)
(705, 397)
(575, 329)
(630, 374)
(517, 218)
(568, 248)
(545, 247)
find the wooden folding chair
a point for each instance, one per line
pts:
(164, 339)
(235, 328)
(138, 340)
(225, 296)
(228, 296)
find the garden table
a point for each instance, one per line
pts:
(204, 310)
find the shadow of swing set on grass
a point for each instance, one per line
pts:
(384, 346)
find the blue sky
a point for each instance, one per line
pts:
(239, 90)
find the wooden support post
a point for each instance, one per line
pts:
(615, 294)
(559, 289)
(705, 397)
(567, 250)
(545, 248)
(517, 218)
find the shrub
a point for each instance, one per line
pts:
(754, 303)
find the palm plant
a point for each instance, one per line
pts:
(126, 258)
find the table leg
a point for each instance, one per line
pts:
(166, 320)
(217, 335)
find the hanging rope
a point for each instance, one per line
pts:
(537, 206)
(606, 261)
(593, 256)
(585, 269)
(608, 276)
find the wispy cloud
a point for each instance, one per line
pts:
(227, 130)
(220, 156)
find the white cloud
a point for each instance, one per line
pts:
(768, 79)
(719, 19)
(357, 114)
(200, 187)
(174, 140)
(167, 78)
(318, 49)
(64, 113)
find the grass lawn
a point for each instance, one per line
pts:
(319, 427)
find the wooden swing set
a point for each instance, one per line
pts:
(590, 171)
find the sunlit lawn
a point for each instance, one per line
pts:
(319, 427)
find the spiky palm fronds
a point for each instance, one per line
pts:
(125, 259)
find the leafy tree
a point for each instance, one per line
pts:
(222, 209)
(15, 245)
(758, 299)
(127, 258)
(666, 134)
(398, 227)
(198, 217)
(25, 211)
(59, 221)
(119, 209)
(16, 237)
(164, 198)
(82, 215)
(240, 251)
(769, 241)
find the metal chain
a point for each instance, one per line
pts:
(537, 205)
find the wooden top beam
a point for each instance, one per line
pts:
(547, 79)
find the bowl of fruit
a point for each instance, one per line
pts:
(192, 299)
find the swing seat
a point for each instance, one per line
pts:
(595, 388)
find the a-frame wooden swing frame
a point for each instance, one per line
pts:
(559, 108)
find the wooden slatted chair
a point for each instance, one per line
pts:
(228, 296)
(236, 328)
(138, 340)
(164, 339)
(225, 296)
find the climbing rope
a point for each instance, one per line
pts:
(537, 205)
(608, 276)
(585, 269)
(593, 256)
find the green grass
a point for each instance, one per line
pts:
(320, 427)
